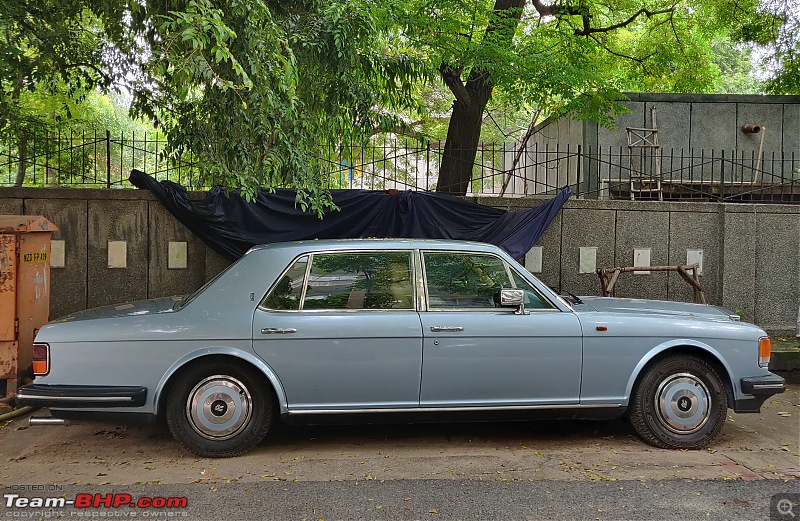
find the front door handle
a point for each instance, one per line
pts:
(278, 330)
(440, 329)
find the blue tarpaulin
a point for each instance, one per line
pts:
(231, 225)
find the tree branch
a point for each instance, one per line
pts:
(556, 10)
(547, 10)
(452, 78)
(587, 29)
(609, 50)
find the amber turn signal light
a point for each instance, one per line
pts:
(764, 351)
(41, 355)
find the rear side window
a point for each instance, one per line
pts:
(378, 280)
(287, 292)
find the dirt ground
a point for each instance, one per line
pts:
(751, 447)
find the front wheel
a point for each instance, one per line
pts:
(219, 410)
(679, 402)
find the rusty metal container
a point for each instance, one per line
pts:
(24, 292)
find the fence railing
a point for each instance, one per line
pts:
(93, 159)
(100, 160)
(618, 173)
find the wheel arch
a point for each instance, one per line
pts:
(682, 347)
(202, 355)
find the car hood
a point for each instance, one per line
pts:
(654, 307)
(139, 307)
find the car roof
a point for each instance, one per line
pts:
(378, 244)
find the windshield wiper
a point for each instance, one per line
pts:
(575, 298)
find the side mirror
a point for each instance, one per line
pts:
(513, 298)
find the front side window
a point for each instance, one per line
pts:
(533, 300)
(378, 280)
(464, 280)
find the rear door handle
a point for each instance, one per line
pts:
(278, 330)
(441, 329)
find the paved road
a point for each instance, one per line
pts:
(439, 500)
(514, 470)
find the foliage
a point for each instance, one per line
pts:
(782, 50)
(266, 90)
(256, 92)
(268, 94)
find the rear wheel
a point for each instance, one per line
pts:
(679, 402)
(218, 410)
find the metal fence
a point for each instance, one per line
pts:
(92, 159)
(100, 160)
(618, 173)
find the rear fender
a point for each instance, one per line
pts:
(253, 360)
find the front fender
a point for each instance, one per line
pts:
(252, 359)
(670, 344)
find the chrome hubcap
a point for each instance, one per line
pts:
(219, 407)
(683, 403)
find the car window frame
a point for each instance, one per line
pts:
(310, 254)
(536, 290)
(509, 269)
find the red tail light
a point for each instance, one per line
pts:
(41, 362)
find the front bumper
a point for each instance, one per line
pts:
(81, 396)
(769, 385)
(761, 388)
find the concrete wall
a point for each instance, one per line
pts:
(689, 124)
(751, 253)
(711, 121)
(88, 220)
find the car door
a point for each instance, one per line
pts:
(477, 354)
(341, 331)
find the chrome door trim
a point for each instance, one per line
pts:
(305, 281)
(471, 408)
(421, 296)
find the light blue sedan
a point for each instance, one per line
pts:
(419, 330)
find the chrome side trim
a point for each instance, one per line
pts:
(80, 398)
(278, 330)
(768, 386)
(302, 412)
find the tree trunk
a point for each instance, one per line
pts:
(22, 147)
(21, 165)
(464, 130)
(461, 146)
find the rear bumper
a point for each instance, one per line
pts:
(761, 388)
(81, 396)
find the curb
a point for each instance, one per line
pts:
(786, 364)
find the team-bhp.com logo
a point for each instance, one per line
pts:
(94, 501)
